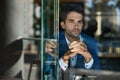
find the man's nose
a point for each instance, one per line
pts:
(76, 25)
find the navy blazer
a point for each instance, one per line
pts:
(91, 44)
(63, 47)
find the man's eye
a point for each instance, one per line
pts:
(70, 21)
(81, 22)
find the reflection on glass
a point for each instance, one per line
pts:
(49, 32)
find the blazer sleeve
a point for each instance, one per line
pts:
(92, 45)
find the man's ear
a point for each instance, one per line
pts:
(62, 25)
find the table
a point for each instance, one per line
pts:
(8, 78)
(94, 74)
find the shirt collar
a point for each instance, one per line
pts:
(69, 41)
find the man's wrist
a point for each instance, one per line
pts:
(62, 64)
(89, 64)
(64, 59)
(87, 56)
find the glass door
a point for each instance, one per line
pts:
(49, 32)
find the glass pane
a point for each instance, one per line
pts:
(107, 14)
(49, 32)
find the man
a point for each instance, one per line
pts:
(76, 49)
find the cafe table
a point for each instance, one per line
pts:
(8, 78)
(84, 74)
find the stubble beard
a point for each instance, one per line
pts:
(72, 36)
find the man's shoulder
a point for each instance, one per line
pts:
(88, 38)
(61, 32)
(61, 35)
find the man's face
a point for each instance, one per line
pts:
(73, 24)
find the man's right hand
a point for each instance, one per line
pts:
(67, 56)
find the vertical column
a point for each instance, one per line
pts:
(2, 31)
(12, 23)
(14, 20)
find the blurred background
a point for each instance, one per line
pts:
(34, 21)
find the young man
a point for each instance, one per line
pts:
(76, 49)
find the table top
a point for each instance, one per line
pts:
(94, 74)
(8, 78)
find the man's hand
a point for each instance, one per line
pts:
(50, 46)
(78, 47)
(67, 56)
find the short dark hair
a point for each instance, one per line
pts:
(70, 8)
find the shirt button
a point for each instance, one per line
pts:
(86, 65)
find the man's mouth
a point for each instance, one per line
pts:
(76, 31)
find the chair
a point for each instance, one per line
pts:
(14, 59)
(33, 62)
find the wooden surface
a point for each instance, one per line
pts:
(107, 55)
(8, 78)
